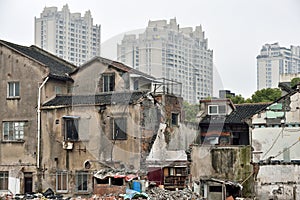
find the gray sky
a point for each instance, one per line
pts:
(236, 29)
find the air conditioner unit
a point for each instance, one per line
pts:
(67, 145)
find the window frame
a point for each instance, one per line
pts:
(16, 128)
(213, 106)
(108, 82)
(4, 180)
(60, 181)
(12, 90)
(83, 176)
(174, 119)
(75, 130)
(116, 127)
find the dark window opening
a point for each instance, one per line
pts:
(108, 82)
(175, 119)
(102, 181)
(4, 180)
(71, 129)
(117, 181)
(120, 129)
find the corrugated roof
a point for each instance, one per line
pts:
(59, 68)
(97, 99)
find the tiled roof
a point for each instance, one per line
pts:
(242, 112)
(97, 99)
(59, 68)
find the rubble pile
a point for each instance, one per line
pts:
(161, 194)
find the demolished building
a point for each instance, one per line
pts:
(275, 140)
(223, 149)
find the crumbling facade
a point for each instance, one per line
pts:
(275, 141)
(222, 150)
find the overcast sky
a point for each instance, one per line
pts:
(236, 29)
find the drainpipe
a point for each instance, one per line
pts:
(39, 122)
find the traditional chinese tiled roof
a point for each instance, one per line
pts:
(237, 116)
(97, 99)
(59, 68)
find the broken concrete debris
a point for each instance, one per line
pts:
(158, 193)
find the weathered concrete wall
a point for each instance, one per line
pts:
(280, 181)
(19, 157)
(226, 163)
(277, 137)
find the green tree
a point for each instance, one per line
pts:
(266, 95)
(237, 99)
(191, 111)
(295, 81)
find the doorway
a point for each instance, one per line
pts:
(27, 182)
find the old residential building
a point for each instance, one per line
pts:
(28, 76)
(274, 61)
(166, 51)
(275, 141)
(63, 127)
(111, 120)
(223, 150)
(68, 35)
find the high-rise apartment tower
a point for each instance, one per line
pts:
(68, 35)
(166, 51)
(274, 62)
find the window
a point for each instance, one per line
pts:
(13, 89)
(71, 127)
(61, 181)
(175, 119)
(216, 109)
(119, 129)
(13, 131)
(213, 110)
(222, 109)
(3, 180)
(57, 89)
(108, 82)
(81, 181)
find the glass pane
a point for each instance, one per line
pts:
(17, 89)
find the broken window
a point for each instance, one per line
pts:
(81, 181)
(13, 131)
(108, 82)
(3, 180)
(62, 181)
(119, 129)
(13, 89)
(71, 128)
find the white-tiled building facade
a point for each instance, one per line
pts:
(68, 35)
(275, 62)
(166, 51)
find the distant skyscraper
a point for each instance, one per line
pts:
(178, 54)
(275, 61)
(68, 35)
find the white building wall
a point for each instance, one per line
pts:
(274, 61)
(179, 54)
(68, 35)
